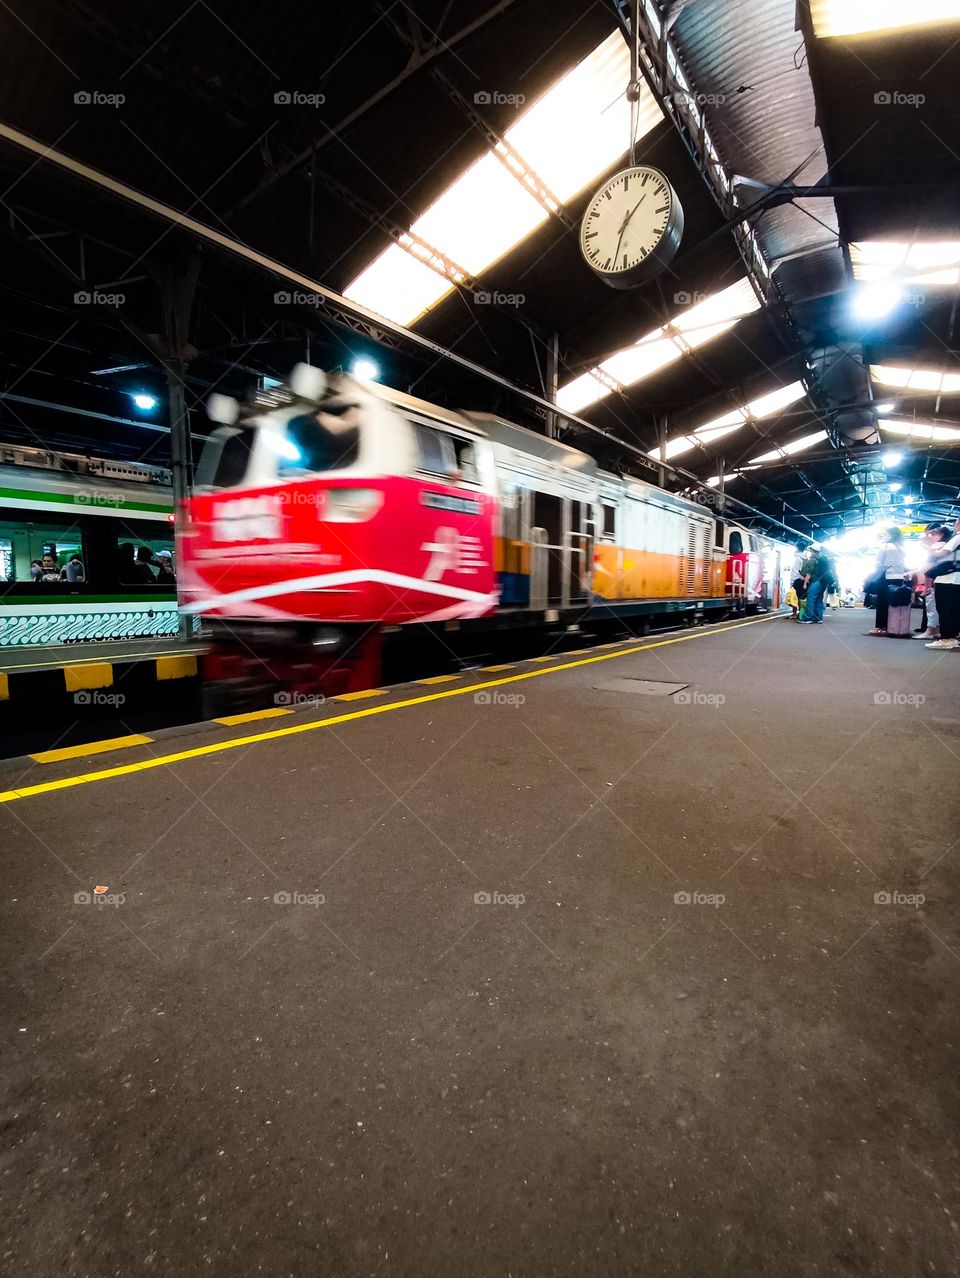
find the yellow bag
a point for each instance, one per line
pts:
(792, 599)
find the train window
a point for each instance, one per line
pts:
(225, 457)
(40, 552)
(466, 459)
(433, 456)
(318, 442)
(736, 543)
(451, 456)
(609, 520)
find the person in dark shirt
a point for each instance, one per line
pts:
(49, 570)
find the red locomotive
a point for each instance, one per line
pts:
(331, 508)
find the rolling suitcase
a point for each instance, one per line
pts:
(899, 621)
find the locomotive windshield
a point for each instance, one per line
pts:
(225, 457)
(317, 442)
(308, 444)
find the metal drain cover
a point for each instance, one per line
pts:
(645, 687)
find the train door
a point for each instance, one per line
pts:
(548, 550)
(580, 546)
(608, 553)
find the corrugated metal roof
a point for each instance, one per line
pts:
(746, 59)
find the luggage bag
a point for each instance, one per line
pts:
(899, 622)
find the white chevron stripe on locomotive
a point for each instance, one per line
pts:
(330, 580)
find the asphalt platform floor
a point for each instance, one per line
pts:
(572, 975)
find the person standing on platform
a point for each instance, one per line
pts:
(934, 536)
(818, 567)
(890, 571)
(946, 587)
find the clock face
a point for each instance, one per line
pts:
(632, 227)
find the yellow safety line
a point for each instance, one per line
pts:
(92, 747)
(438, 679)
(361, 695)
(275, 734)
(510, 665)
(232, 719)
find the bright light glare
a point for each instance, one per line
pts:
(892, 458)
(896, 486)
(859, 17)
(570, 136)
(144, 402)
(366, 370)
(875, 301)
(657, 349)
(283, 446)
(931, 380)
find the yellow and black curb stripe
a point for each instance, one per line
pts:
(625, 649)
(20, 681)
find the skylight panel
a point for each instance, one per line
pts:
(917, 262)
(860, 17)
(398, 286)
(481, 216)
(695, 325)
(927, 380)
(764, 406)
(789, 450)
(919, 430)
(581, 126)
(568, 138)
(781, 398)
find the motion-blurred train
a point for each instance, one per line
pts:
(332, 505)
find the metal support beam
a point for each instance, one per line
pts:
(553, 383)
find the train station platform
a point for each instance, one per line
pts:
(636, 960)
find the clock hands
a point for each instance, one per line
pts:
(624, 223)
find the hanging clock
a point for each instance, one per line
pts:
(632, 227)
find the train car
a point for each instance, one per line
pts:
(331, 506)
(78, 512)
(757, 567)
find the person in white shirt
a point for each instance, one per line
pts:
(890, 571)
(946, 589)
(932, 537)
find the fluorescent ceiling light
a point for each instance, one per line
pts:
(764, 406)
(655, 350)
(930, 380)
(570, 136)
(919, 430)
(788, 450)
(860, 17)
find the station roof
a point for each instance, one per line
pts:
(804, 332)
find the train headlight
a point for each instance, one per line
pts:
(351, 505)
